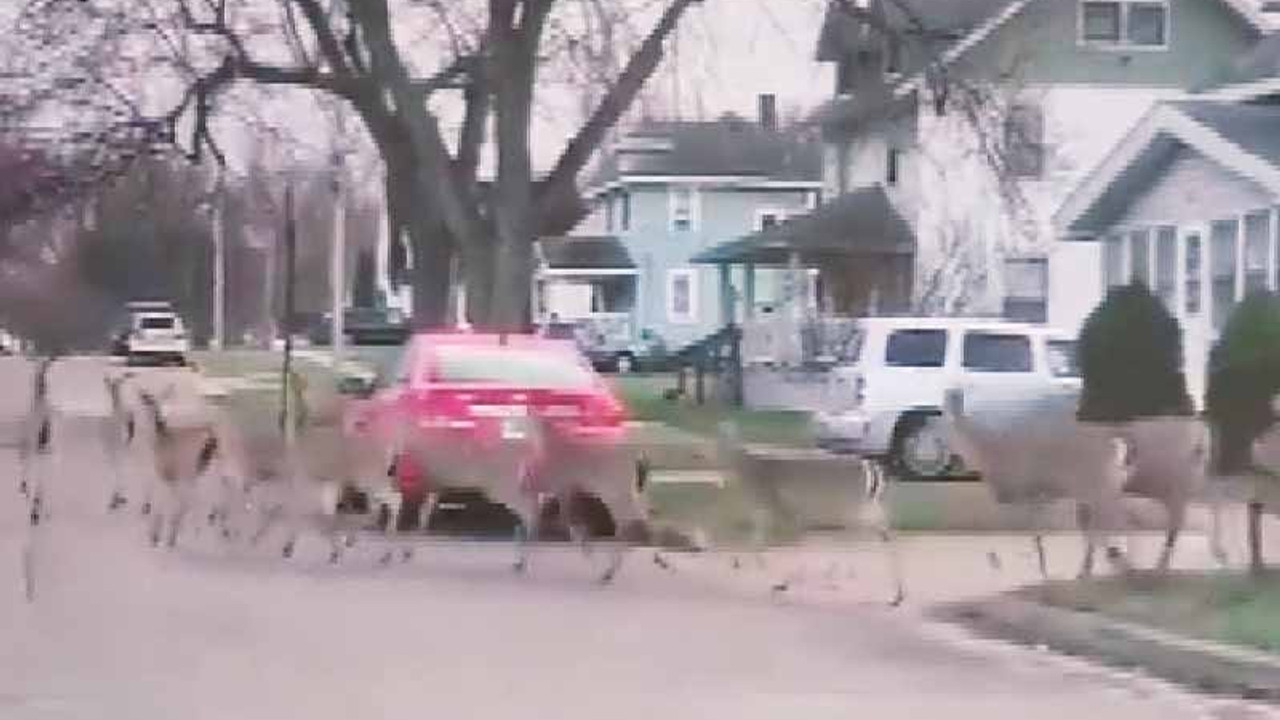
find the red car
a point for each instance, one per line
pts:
(463, 411)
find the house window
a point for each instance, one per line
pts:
(608, 213)
(1125, 23)
(1192, 273)
(682, 296)
(769, 218)
(1222, 268)
(1024, 141)
(1140, 258)
(1257, 246)
(893, 56)
(892, 160)
(1113, 260)
(844, 77)
(684, 201)
(625, 199)
(1166, 285)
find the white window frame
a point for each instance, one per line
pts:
(695, 207)
(1123, 44)
(758, 224)
(691, 276)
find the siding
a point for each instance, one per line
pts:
(726, 214)
(1194, 189)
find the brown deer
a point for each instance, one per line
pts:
(182, 454)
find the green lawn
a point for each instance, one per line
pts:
(643, 396)
(1224, 607)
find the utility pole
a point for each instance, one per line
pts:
(288, 413)
(219, 262)
(338, 252)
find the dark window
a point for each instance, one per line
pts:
(626, 210)
(1147, 23)
(1024, 141)
(1100, 21)
(1257, 244)
(1222, 268)
(844, 77)
(893, 55)
(510, 367)
(608, 213)
(916, 348)
(1167, 266)
(156, 323)
(1193, 273)
(769, 220)
(991, 352)
(1139, 258)
(891, 166)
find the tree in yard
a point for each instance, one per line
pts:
(1131, 359)
(361, 52)
(1244, 376)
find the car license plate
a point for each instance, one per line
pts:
(514, 429)
(499, 411)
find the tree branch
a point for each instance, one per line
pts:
(560, 187)
(330, 48)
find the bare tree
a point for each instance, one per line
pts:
(493, 52)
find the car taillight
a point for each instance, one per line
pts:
(603, 411)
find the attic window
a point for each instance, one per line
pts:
(1125, 24)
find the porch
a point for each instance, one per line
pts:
(851, 257)
(588, 280)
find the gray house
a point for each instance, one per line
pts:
(665, 192)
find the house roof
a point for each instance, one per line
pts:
(730, 146)
(594, 253)
(862, 222)
(1241, 138)
(958, 26)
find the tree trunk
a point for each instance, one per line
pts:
(1256, 563)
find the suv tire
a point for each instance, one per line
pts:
(918, 440)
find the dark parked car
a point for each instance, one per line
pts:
(363, 326)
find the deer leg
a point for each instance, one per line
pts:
(175, 522)
(1084, 519)
(1177, 516)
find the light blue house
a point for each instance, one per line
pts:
(666, 192)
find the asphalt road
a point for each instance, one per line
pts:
(121, 630)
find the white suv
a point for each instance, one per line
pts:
(888, 402)
(158, 336)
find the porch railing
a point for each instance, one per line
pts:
(812, 341)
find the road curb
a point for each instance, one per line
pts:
(1205, 666)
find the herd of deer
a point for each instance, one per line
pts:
(1034, 456)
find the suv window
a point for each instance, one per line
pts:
(1062, 358)
(156, 322)
(996, 352)
(916, 348)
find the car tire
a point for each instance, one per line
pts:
(919, 450)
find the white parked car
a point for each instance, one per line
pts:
(158, 336)
(888, 402)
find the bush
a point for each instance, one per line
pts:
(1244, 373)
(1131, 359)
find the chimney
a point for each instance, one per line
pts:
(768, 111)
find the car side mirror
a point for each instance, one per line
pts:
(357, 387)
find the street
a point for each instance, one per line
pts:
(209, 630)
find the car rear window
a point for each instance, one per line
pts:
(916, 348)
(156, 322)
(1062, 358)
(997, 352)
(518, 367)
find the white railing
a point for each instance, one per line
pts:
(782, 340)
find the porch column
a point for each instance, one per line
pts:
(796, 294)
(749, 291)
(726, 294)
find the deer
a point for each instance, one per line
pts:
(864, 506)
(37, 438)
(182, 455)
(1049, 455)
(534, 463)
(333, 459)
(118, 433)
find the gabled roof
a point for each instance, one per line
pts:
(862, 222)
(961, 24)
(730, 147)
(1241, 138)
(595, 253)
